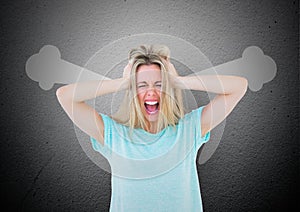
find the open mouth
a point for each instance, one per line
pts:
(152, 107)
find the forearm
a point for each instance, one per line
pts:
(219, 84)
(82, 91)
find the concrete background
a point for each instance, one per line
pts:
(43, 167)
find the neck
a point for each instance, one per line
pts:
(152, 127)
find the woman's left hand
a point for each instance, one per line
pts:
(173, 75)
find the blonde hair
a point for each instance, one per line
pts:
(171, 105)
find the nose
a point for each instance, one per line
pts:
(151, 91)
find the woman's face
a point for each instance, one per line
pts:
(148, 78)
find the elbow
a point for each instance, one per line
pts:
(243, 86)
(240, 85)
(61, 94)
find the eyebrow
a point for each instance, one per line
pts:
(146, 82)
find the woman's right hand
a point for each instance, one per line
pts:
(127, 70)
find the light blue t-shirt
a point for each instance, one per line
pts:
(154, 172)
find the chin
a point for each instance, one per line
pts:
(151, 117)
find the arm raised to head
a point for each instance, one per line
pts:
(72, 97)
(229, 90)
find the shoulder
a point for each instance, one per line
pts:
(192, 119)
(194, 113)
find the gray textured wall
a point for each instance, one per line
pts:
(43, 167)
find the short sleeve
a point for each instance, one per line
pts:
(105, 149)
(195, 117)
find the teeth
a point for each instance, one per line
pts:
(151, 103)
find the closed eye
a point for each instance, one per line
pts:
(158, 83)
(141, 86)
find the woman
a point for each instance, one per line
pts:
(150, 131)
